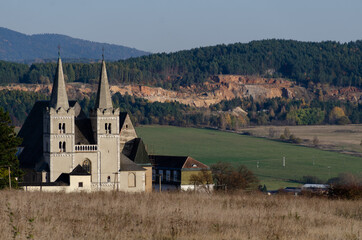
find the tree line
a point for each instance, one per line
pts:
(327, 62)
(274, 111)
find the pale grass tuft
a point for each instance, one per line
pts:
(176, 216)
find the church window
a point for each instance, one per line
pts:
(126, 126)
(109, 179)
(60, 147)
(87, 165)
(61, 127)
(107, 127)
(131, 180)
(80, 184)
(64, 150)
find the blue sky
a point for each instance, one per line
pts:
(168, 25)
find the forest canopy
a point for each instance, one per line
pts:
(334, 63)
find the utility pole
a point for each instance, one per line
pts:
(117, 181)
(9, 177)
(283, 161)
(159, 181)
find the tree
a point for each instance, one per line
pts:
(8, 148)
(272, 132)
(202, 180)
(286, 132)
(315, 141)
(336, 114)
(227, 177)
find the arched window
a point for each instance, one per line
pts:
(63, 128)
(109, 179)
(87, 165)
(64, 150)
(60, 128)
(106, 127)
(60, 147)
(131, 180)
(109, 128)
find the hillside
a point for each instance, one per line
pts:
(18, 47)
(304, 63)
(210, 147)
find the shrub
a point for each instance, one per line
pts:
(351, 192)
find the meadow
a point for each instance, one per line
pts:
(116, 215)
(342, 138)
(263, 156)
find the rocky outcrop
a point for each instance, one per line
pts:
(216, 89)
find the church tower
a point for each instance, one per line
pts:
(58, 129)
(105, 126)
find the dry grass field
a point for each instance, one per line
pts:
(341, 138)
(176, 216)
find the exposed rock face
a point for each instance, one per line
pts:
(218, 88)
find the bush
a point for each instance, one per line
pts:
(352, 192)
(229, 178)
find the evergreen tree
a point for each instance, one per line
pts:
(8, 148)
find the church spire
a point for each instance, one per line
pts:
(59, 96)
(104, 99)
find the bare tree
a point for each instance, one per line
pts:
(315, 141)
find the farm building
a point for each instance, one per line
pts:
(174, 172)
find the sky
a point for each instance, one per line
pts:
(169, 25)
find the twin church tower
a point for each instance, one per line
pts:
(58, 136)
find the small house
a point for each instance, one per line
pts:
(174, 172)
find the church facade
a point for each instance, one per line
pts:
(58, 138)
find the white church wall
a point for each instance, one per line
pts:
(109, 155)
(80, 157)
(60, 163)
(127, 186)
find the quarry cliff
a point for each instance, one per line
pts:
(216, 89)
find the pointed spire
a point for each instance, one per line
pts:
(59, 96)
(104, 99)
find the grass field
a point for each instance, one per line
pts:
(343, 138)
(183, 216)
(211, 146)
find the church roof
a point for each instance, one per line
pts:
(79, 170)
(104, 99)
(128, 165)
(59, 96)
(65, 177)
(122, 118)
(32, 135)
(136, 151)
(84, 132)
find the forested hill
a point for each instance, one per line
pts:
(304, 62)
(18, 47)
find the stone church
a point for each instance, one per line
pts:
(63, 149)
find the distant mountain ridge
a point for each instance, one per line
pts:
(19, 47)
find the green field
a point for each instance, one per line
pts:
(211, 146)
